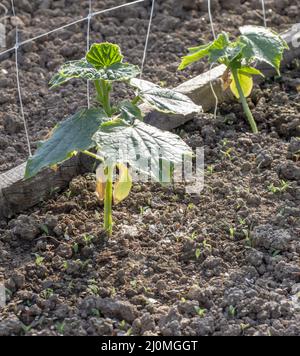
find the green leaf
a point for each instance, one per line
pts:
(74, 69)
(138, 144)
(120, 72)
(165, 100)
(197, 53)
(250, 71)
(226, 55)
(262, 44)
(69, 137)
(130, 112)
(103, 55)
(83, 69)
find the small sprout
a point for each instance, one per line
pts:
(191, 206)
(198, 253)
(183, 300)
(45, 229)
(113, 291)
(276, 253)
(134, 283)
(296, 156)
(26, 328)
(75, 247)
(47, 293)
(143, 210)
(122, 325)
(242, 221)
(129, 332)
(95, 312)
(39, 260)
(244, 327)
(210, 169)
(227, 153)
(284, 186)
(193, 237)
(200, 311)
(60, 327)
(207, 246)
(232, 232)
(92, 287)
(53, 191)
(232, 311)
(88, 239)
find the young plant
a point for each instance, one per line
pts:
(114, 133)
(239, 56)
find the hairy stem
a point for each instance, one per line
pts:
(103, 90)
(136, 100)
(108, 201)
(244, 101)
(93, 155)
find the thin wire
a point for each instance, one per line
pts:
(211, 19)
(18, 83)
(117, 7)
(213, 91)
(211, 67)
(87, 49)
(72, 23)
(5, 12)
(264, 12)
(52, 31)
(147, 38)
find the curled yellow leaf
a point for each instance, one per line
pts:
(100, 182)
(123, 184)
(246, 82)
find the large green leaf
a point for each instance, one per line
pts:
(72, 135)
(262, 44)
(102, 55)
(197, 53)
(74, 69)
(165, 100)
(142, 146)
(83, 69)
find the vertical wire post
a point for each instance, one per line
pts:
(18, 82)
(147, 38)
(264, 12)
(211, 19)
(211, 67)
(88, 47)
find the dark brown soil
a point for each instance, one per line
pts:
(225, 262)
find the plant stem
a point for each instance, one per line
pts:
(136, 100)
(108, 201)
(93, 155)
(244, 101)
(103, 89)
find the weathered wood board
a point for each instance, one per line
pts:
(17, 195)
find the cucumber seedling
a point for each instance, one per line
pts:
(114, 133)
(239, 56)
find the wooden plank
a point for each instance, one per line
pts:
(22, 194)
(17, 195)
